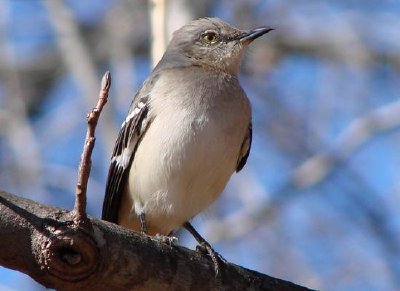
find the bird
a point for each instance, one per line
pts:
(188, 129)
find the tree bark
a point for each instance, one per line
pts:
(45, 243)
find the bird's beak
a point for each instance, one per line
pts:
(250, 35)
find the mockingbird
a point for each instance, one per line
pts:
(187, 130)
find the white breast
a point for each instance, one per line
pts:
(185, 158)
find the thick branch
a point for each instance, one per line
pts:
(42, 242)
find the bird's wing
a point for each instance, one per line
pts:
(245, 149)
(129, 137)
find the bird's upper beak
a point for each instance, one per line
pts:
(250, 35)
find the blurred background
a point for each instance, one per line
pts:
(318, 202)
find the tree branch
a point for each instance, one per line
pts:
(43, 242)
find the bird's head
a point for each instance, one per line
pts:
(211, 43)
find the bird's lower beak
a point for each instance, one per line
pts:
(251, 35)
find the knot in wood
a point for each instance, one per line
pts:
(68, 254)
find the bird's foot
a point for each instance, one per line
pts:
(204, 248)
(169, 240)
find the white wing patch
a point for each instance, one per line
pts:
(133, 113)
(123, 159)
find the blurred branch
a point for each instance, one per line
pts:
(16, 127)
(359, 132)
(122, 30)
(78, 61)
(378, 218)
(180, 12)
(158, 39)
(344, 41)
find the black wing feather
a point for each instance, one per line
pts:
(132, 131)
(125, 147)
(245, 149)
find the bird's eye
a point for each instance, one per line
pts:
(209, 37)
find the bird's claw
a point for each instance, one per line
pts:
(169, 240)
(205, 248)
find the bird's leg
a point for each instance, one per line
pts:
(143, 225)
(205, 247)
(169, 240)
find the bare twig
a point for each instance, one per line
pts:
(85, 163)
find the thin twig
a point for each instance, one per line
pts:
(85, 163)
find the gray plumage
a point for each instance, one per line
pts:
(187, 131)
